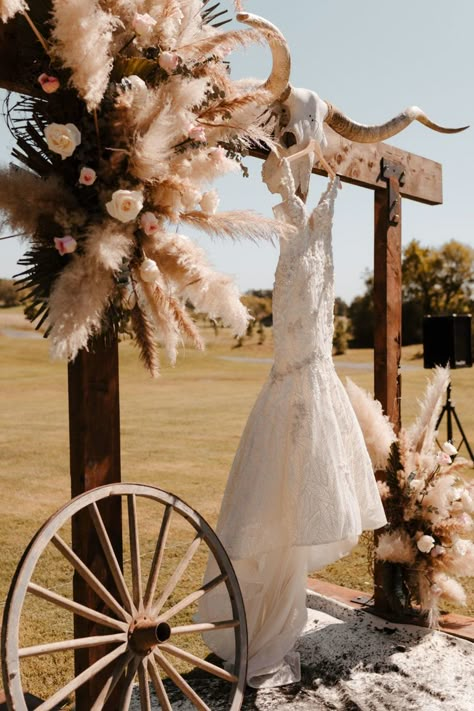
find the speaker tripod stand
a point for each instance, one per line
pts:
(450, 411)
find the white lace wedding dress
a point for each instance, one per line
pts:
(301, 488)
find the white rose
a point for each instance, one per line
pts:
(149, 270)
(169, 61)
(450, 449)
(210, 202)
(425, 543)
(138, 86)
(62, 139)
(125, 204)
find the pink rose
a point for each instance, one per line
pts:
(143, 24)
(443, 459)
(196, 133)
(169, 61)
(65, 245)
(217, 154)
(149, 223)
(48, 84)
(87, 176)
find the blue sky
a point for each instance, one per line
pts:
(372, 59)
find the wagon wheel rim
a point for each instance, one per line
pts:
(141, 631)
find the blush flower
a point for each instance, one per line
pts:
(125, 204)
(149, 270)
(87, 176)
(425, 543)
(443, 459)
(65, 245)
(143, 24)
(196, 133)
(62, 138)
(450, 449)
(48, 83)
(149, 223)
(169, 61)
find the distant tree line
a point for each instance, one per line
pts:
(8, 294)
(435, 281)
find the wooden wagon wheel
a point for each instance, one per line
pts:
(141, 625)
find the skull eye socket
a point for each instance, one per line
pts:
(288, 139)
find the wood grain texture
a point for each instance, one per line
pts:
(94, 434)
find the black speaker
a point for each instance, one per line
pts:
(447, 340)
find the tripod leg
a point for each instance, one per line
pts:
(464, 438)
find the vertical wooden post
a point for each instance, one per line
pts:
(94, 434)
(388, 317)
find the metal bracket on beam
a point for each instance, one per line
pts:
(394, 174)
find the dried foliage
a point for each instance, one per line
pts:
(132, 115)
(430, 511)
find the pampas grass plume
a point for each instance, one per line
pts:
(422, 433)
(83, 35)
(396, 547)
(376, 427)
(9, 8)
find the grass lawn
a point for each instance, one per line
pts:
(179, 432)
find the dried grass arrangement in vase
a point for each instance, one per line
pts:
(428, 542)
(130, 115)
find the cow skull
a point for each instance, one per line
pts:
(303, 113)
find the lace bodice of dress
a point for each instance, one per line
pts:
(303, 296)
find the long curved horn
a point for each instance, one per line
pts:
(360, 133)
(277, 84)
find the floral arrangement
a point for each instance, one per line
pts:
(130, 115)
(429, 506)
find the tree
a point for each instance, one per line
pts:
(8, 293)
(361, 314)
(439, 280)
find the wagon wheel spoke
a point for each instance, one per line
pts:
(145, 702)
(81, 679)
(134, 551)
(198, 662)
(158, 556)
(112, 682)
(178, 574)
(158, 686)
(87, 575)
(180, 682)
(76, 607)
(111, 557)
(128, 684)
(68, 644)
(193, 597)
(205, 627)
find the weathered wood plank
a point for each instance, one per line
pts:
(360, 164)
(94, 434)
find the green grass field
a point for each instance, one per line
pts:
(178, 432)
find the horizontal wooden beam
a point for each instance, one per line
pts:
(360, 164)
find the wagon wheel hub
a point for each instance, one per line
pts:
(145, 634)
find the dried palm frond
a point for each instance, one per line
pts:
(145, 340)
(238, 224)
